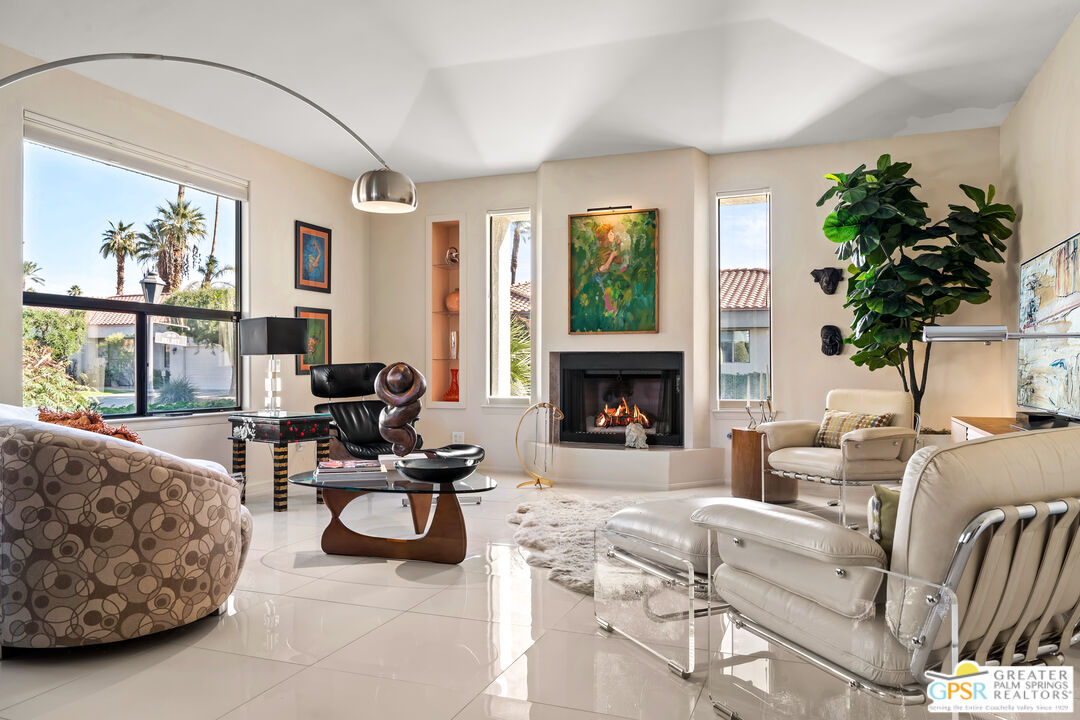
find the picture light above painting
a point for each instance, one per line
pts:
(312, 257)
(614, 272)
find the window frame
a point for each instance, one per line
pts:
(144, 311)
(491, 400)
(721, 404)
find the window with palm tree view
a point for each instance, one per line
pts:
(129, 289)
(510, 324)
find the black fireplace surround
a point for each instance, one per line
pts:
(598, 389)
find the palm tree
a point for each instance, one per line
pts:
(207, 278)
(31, 271)
(180, 223)
(75, 291)
(212, 270)
(520, 357)
(119, 242)
(153, 248)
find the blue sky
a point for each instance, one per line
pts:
(744, 235)
(68, 201)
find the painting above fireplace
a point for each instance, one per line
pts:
(601, 392)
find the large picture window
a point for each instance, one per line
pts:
(130, 303)
(510, 321)
(742, 222)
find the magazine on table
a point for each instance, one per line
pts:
(350, 472)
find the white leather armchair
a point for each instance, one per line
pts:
(869, 455)
(985, 529)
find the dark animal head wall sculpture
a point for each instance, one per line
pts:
(828, 278)
(832, 340)
(400, 386)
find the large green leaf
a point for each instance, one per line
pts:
(840, 227)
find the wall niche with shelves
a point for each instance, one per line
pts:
(446, 361)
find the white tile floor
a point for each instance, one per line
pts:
(308, 635)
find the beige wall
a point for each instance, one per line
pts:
(683, 184)
(282, 190)
(964, 379)
(1040, 167)
(400, 310)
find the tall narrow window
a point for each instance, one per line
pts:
(510, 323)
(129, 289)
(743, 250)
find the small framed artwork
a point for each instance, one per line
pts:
(318, 339)
(614, 273)
(312, 257)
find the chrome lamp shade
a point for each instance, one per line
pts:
(384, 191)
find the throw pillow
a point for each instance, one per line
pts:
(87, 420)
(881, 516)
(836, 423)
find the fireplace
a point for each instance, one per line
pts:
(600, 393)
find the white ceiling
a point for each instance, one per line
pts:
(450, 89)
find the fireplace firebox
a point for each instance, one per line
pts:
(600, 393)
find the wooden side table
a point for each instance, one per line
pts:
(746, 452)
(280, 431)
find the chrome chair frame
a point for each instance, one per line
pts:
(841, 481)
(944, 602)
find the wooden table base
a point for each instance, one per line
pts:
(444, 541)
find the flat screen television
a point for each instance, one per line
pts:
(1048, 370)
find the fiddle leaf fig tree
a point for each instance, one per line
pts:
(906, 272)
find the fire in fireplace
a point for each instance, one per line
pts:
(622, 415)
(600, 393)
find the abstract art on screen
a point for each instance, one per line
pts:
(318, 339)
(312, 257)
(1048, 370)
(614, 272)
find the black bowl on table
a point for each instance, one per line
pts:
(437, 470)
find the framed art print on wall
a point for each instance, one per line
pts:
(312, 257)
(614, 272)
(318, 339)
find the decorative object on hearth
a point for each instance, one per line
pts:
(635, 436)
(453, 257)
(378, 191)
(832, 340)
(312, 249)
(542, 416)
(828, 278)
(400, 386)
(556, 531)
(453, 393)
(272, 336)
(453, 344)
(316, 339)
(614, 277)
(453, 301)
(905, 272)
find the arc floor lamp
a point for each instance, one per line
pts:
(378, 191)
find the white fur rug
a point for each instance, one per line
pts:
(557, 533)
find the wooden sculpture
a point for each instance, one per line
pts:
(400, 386)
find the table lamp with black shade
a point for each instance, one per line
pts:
(273, 336)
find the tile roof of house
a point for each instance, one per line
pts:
(106, 317)
(744, 289)
(521, 297)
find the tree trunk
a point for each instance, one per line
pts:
(213, 244)
(120, 274)
(176, 244)
(514, 253)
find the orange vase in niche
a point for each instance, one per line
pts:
(451, 394)
(453, 301)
